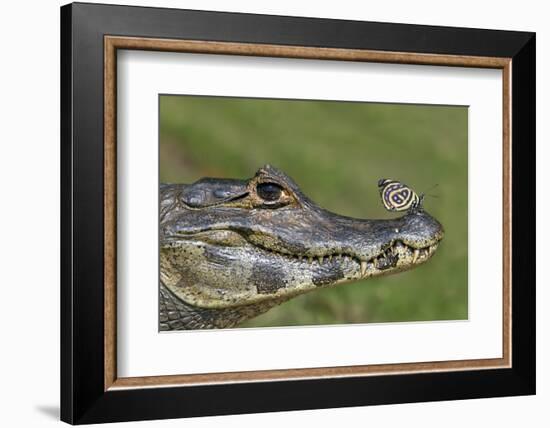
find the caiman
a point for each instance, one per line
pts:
(232, 249)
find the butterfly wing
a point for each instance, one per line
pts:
(397, 196)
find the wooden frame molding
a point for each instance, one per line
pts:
(113, 43)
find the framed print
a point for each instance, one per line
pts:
(273, 213)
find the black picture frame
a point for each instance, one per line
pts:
(83, 395)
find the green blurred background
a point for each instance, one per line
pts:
(336, 152)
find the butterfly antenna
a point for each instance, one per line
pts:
(431, 188)
(429, 194)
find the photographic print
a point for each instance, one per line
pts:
(324, 201)
(277, 212)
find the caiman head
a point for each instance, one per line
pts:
(232, 249)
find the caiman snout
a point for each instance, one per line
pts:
(374, 246)
(398, 244)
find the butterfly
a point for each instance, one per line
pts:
(397, 196)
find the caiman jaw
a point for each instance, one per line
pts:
(397, 255)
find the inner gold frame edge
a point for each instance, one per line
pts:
(113, 43)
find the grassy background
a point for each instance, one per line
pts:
(336, 152)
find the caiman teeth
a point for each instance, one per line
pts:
(363, 267)
(388, 258)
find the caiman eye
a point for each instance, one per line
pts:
(269, 192)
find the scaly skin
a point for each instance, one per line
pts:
(233, 249)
